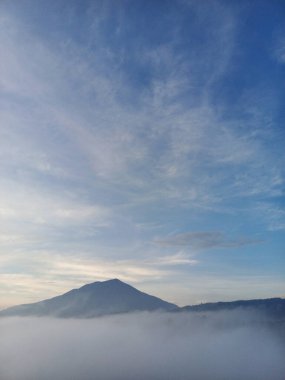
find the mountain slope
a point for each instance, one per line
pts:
(98, 298)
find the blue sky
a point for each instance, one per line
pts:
(142, 140)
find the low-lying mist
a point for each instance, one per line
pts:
(148, 346)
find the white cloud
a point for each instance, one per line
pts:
(146, 345)
(40, 206)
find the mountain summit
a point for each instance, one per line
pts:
(95, 299)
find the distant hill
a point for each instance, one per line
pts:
(273, 307)
(98, 298)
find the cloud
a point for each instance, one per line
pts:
(130, 149)
(41, 206)
(204, 240)
(232, 345)
(179, 258)
(106, 137)
(274, 214)
(279, 51)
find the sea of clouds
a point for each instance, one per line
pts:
(231, 345)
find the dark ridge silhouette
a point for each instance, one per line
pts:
(274, 307)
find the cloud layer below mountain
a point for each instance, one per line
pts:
(228, 345)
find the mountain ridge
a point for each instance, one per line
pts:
(274, 306)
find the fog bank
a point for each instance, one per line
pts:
(213, 346)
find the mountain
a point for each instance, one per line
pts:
(98, 298)
(273, 307)
(115, 296)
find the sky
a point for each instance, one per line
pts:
(142, 140)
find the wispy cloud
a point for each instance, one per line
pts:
(205, 240)
(274, 214)
(40, 206)
(162, 139)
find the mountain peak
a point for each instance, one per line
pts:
(113, 283)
